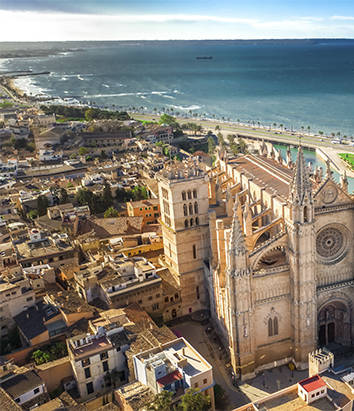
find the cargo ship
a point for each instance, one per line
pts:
(204, 58)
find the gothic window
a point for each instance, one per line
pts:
(186, 223)
(191, 222)
(305, 214)
(270, 328)
(194, 193)
(275, 325)
(197, 221)
(190, 209)
(198, 295)
(195, 208)
(184, 196)
(185, 210)
(194, 252)
(189, 194)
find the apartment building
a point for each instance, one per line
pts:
(175, 367)
(148, 209)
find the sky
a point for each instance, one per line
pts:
(61, 20)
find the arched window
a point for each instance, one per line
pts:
(185, 210)
(184, 196)
(198, 294)
(275, 325)
(305, 214)
(197, 221)
(190, 209)
(270, 327)
(195, 208)
(186, 223)
(194, 193)
(194, 252)
(189, 194)
(191, 222)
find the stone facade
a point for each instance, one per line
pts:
(279, 274)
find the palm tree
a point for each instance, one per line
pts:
(275, 125)
(155, 110)
(259, 124)
(281, 127)
(309, 128)
(238, 121)
(320, 133)
(302, 128)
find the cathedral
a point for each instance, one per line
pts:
(266, 245)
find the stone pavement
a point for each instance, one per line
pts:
(332, 153)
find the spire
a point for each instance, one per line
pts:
(237, 250)
(344, 181)
(329, 173)
(300, 189)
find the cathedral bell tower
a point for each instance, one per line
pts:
(239, 301)
(184, 204)
(302, 254)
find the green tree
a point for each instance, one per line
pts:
(320, 133)
(73, 156)
(33, 214)
(211, 145)
(194, 400)
(221, 399)
(103, 155)
(161, 402)
(90, 114)
(82, 151)
(111, 213)
(64, 198)
(107, 198)
(42, 205)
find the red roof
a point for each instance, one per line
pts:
(312, 383)
(169, 378)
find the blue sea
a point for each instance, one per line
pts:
(294, 85)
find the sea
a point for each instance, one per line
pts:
(301, 85)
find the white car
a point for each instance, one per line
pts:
(335, 141)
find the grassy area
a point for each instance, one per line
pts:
(348, 158)
(6, 104)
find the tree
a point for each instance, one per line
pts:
(107, 198)
(42, 205)
(64, 198)
(73, 156)
(103, 155)
(82, 151)
(194, 400)
(161, 402)
(90, 114)
(320, 133)
(111, 213)
(221, 399)
(33, 214)
(211, 145)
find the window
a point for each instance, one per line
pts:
(195, 208)
(85, 362)
(186, 223)
(189, 194)
(275, 325)
(157, 295)
(150, 298)
(89, 387)
(197, 221)
(194, 249)
(194, 193)
(313, 395)
(104, 356)
(87, 372)
(190, 209)
(118, 349)
(166, 299)
(36, 391)
(29, 299)
(105, 365)
(184, 198)
(18, 399)
(191, 222)
(185, 212)
(140, 301)
(155, 208)
(205, 380)
(270, 328)
(155, 307)
(197, 290)
(176, 295)
(322, 391)
(196, 385)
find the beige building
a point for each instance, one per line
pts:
(279, 272)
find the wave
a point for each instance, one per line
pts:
(121, 85)
(79, 77)
(106, 85)
(192, 107)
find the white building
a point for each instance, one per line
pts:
(312, 389)
(175, 367)
(48, 155)
(92, 356)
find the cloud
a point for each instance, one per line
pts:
(342, 18)
(299, 25)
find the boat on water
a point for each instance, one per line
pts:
(204, 57)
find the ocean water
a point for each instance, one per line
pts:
(294, 85)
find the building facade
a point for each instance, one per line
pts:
(279, 273)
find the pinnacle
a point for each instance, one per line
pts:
(237, 244)
(300, 185)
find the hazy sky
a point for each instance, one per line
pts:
(50, 20)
